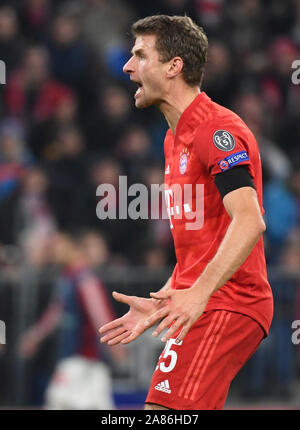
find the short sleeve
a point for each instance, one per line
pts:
(225, 146)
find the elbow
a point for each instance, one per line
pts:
(259, 226)
(262, 226)
(255, 223)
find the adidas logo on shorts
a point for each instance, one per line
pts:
(163, 386)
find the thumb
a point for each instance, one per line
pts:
(122, 298)
(165, 294)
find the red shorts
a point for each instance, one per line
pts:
(197, 373)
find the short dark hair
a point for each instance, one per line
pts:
(177, 36)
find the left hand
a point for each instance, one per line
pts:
(184, 308)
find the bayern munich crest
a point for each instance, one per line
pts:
(224, 140)
(183, 161)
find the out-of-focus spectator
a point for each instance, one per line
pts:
(106, 126)
(210, 13)
(245, 26)
(105, 23)
(44, 135)
(34, 289)
(34, 212)
(255, 113)
(120, 231)
(27, 208)
(79, 308)
(281, 95)
(168, 7)
(296, 24)
(219, 78)
(159, 225)
(134, 149)
(30, 92)
(281, 217)
(271, 370)
(295, 187)
(14, 156)
(277, 82)
(35, 16)
(68, 172)
(280, 16)
(70, 58)
(95, 247)
(155, 257)
(12, 43)
(102, 171)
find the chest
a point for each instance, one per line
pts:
(184, 185)
(182, 165)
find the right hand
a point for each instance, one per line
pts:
(130, 326)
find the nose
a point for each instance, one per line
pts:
(128, 67)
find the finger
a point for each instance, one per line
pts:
(111, 325)
(174, 328)
(183, 332)
(119, 339)
(162, 294)
(164, 324)
(122, 298)
(133, 335)
(158, 315)
(112, 334)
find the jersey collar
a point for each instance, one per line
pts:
(187, 120)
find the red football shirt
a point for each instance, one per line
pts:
(211, 139)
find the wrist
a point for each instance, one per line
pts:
(204, 289)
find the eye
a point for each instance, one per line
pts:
(140, 55)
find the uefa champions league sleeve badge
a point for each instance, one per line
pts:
(223, 140)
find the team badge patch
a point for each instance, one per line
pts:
(183, 161)
(232, 160)
(223, 140)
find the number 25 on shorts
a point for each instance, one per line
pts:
(167, 352)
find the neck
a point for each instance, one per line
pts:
(176, 102)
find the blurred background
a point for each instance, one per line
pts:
(67, 125)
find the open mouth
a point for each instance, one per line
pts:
(139, 90)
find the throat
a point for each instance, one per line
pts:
(172, 109)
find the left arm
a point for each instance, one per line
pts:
(245, 229)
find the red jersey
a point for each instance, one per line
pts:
(211, 139)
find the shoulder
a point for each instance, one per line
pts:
(225, 142)
(223, 129)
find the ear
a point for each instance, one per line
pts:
(175, 67)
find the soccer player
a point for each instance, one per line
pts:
(217, 306)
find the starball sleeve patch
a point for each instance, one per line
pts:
(223, 140)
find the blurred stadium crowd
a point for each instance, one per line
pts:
(68, 124)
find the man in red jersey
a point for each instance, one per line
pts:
(217, 306)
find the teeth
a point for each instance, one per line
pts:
(138, 91)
